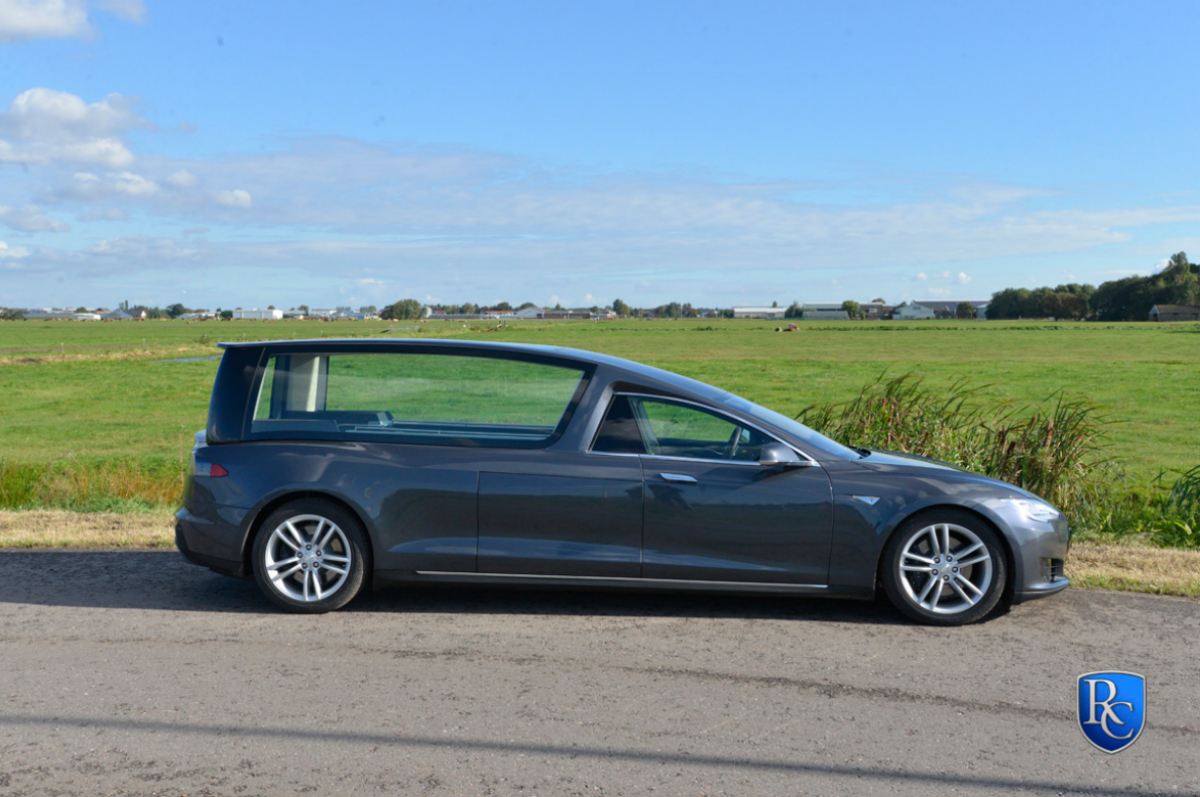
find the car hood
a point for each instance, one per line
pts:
(882, 457)
(880, 460)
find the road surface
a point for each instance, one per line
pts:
(134, 673)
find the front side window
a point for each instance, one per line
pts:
(660, 427)
(414, 397)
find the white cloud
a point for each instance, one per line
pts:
(134, 185)
(368, 281)
(38, 19)
(92, 187)
(921, 275)
(142, 248)
(233, 199)
(44, 126)
(105, 214)
(56, 19)
(30, 219)
(12, 253)
(962, 278)
(128, 10)
(180, 179)
(48, 114)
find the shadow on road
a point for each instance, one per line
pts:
(161, 580)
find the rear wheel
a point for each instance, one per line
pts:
(311, 556)
(945, 567)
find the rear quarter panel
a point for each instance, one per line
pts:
(417, 504)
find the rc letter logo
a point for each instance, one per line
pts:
(1112, 709)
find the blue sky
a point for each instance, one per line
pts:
(245, 154)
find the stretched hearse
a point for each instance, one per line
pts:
(327, 466)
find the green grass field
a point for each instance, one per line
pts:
(88, 391)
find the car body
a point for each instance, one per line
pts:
(472, 462)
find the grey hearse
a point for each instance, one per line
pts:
(328, 466)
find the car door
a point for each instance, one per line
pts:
(561, 513)
(712, 513)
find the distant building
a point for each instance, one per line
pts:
(54, 314)
(547, 314)
(811, 313)
(942, 308)
(257, 315)
(759, 312)
(199, 315)
(117, 315)
(1174, 312)
(875, 311)
(912, 312)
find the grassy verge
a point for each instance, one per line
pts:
(56, 528)
(1135, 568)
(1123, 567)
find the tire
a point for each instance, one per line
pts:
(311, 556)
(925, 580)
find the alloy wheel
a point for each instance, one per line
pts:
(945, 569)
(307, 558)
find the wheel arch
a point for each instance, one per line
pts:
(896, 523)
(266, 510)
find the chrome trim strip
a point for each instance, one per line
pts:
(665, 458)
(678, 477)
(679, 459)
(628, 580)
(809, 461)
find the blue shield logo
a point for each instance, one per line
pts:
(1112, 709)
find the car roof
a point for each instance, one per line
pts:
(632, 368)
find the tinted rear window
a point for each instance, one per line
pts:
(411, 397)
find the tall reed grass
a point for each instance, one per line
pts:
(1056, 451)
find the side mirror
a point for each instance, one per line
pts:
(777, 455)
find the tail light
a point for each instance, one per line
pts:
(210, 469)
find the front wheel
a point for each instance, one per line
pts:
(945, 567)
(310, 557)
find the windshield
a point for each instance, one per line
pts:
(814, 441)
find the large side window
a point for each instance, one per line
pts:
(414, 397)
(661, 427)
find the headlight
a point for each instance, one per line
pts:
(1035, 510)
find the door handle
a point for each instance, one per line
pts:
(678, 477)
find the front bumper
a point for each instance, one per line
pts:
(211, 536)
(1041, 590)
(1039, 550)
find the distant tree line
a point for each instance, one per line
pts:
(1128, 299)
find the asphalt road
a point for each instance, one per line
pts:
(134, 673)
